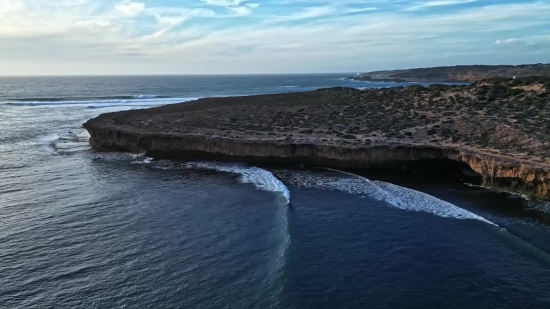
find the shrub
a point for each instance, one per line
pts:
(514, 91)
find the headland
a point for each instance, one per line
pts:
(496, 128)
(459, 73)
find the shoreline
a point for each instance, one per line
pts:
(455, 74)
(493, 171)
(343, 128)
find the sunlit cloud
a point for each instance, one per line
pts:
(130, 9)
(239, 36)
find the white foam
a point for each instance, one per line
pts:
(258, 177)
(145, 101)
(511, 193)
(145, 160)
(71, 141)
(392, 195)
(418, 201)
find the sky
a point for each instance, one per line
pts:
(102, 37)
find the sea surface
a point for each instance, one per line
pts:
(81, 229)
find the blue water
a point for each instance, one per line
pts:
(80, 229)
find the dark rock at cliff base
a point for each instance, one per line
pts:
(504, 140)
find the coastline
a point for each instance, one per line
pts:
(455, 74)
(238, 129)
(492, 170)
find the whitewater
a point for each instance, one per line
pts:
(87, 229)
(393, 195)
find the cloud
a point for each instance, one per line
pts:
(237, 7)
(507, 41)
(308, 13)
(129, 37)
(224, 2)
(170, 19)
(252, 5)
(527, 41)
(438, 3)
(129, 8)
(240, 10)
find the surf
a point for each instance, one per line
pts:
(94, 103)
(392, 195)
(260, 178)
(263, 180)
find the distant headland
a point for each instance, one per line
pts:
(459, 73)
(497, 128)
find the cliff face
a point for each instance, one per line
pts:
(493, 170)
(498, 128)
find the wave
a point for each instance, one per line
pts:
(392, 195)
(67, 141)
(289, 86)
(418, 201)
(142, 159)
(145, 96)
(101, 103)
(98, 106)
(258, 177)
(69, 99)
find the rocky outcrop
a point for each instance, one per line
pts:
(494, 171)
(495, 131)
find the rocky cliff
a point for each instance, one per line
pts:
(347, 128)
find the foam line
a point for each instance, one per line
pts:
(145, 101)
(418, 201)
(393, 195)
(258, 177)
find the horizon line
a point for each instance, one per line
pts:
(174, 74)
(258, 74)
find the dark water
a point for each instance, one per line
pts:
(109, 230)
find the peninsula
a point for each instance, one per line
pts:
(498, 127)
(459, 73)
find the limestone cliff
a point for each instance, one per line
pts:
(347, 128)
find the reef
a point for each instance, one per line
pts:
(497, 127)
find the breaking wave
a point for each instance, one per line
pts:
(409, 199)
(258, 177)
(66, 141)
(263, 180)
(68, 99)
(102, 102)
(393, 195)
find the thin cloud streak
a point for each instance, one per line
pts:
(236, 36)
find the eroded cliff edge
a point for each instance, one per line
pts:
(503, 138)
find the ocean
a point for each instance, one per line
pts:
(85, 229)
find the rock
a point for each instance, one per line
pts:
(215, 128)
(542, 190)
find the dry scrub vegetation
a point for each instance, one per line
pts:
(508, 117)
